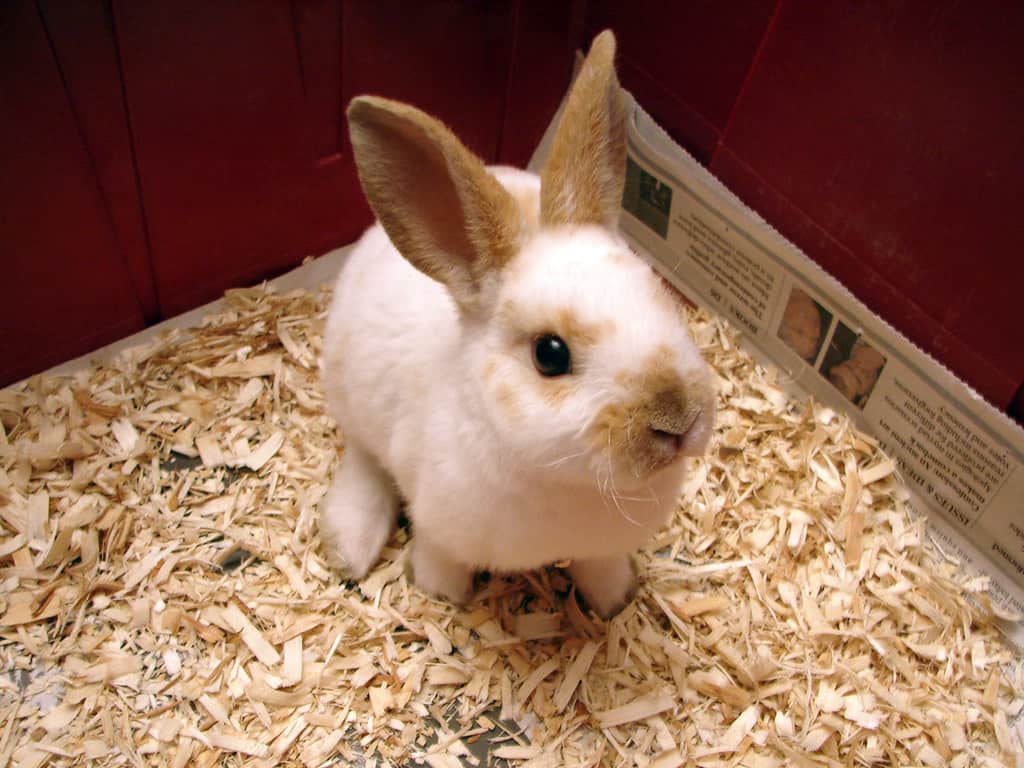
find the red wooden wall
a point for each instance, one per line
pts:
(153, 154)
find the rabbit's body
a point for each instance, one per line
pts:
(391, 325)
(440, 367)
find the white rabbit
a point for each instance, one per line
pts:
(497, 355)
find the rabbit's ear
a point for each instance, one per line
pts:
(582, 178)
(445, 213)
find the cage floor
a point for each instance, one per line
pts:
(164, 602)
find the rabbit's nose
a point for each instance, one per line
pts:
(671, 417)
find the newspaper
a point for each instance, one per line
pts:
(960, 458)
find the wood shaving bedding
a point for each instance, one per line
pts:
(164, 602)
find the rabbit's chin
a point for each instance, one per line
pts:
(605, 480)
(627, 477)
(583, 468)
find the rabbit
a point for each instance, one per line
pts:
(497, 356)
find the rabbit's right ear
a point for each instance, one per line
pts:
(585, 170)
(443, 211)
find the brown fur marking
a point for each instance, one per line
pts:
(489, 368)
(508, 401)
(562, 321)
(556, 390)
(660, 400)
(618, 258)
(575, 330)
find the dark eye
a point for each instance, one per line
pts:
(551, 355)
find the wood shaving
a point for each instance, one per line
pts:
(165, 602)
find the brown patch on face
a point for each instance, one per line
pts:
(573, 329)
(510, 314)
(563, 321)
(644, 431)
(490, 367)
(508, 401)
(664, 355)
(619, 258)
(557, 389)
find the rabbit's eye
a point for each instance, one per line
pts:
(551, 355)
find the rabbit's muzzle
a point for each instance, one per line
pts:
(645, 433)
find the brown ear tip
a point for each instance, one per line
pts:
(367, 109)
(604, 44)
(363, 106)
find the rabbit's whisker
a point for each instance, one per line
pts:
(614, 491)
(561, 461)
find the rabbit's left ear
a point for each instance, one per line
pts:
(582, 178)
(444, 212)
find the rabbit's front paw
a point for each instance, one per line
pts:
(436, 573)
(357, 514)
(607, 583)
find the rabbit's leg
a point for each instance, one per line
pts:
(607, 583)
(437, 573)
(358, 513)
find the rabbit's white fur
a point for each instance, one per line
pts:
(503, 468)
